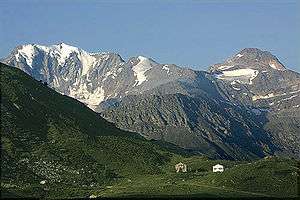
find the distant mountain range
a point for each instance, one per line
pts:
(245, 107)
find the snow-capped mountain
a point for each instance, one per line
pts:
(92, 78)
(250, 58)
(259, 79)
(68, 69)
(245, 107)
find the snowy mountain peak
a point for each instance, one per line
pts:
(63, 44)
(252, 58)
(146, 59)
(245, 66)
(142, 58)
(141, 68)
(64, 47)
(254, 51)
(61, 51)
(259, 56)
(253, 54)
(27, 52)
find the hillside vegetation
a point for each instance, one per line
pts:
(52, 137)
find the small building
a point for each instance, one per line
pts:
(218, 168)
(181, 167)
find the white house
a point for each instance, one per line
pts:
(218, 168)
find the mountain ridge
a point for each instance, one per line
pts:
(110, 65)
(253, 84)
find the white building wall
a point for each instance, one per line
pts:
(218, 168)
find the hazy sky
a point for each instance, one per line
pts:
(188, 33)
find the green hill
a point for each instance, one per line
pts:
(54, 146)
(52, 137)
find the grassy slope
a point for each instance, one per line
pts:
(48, 136)
(271, 177)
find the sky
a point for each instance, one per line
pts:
(191, 33)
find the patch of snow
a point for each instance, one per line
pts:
(44, 48)
(239, 55)
(140, 69)
(240, 72)
(27, 52)
(267, 96)
(276, 65)
(243, 75)
(55, 82)
(296, 106)
(224, 67)
(165, 67)
(235, 88)
(235, 82)
(61, 51)
(91, 98)
(273, 65)
(87, 61)
(257, 97)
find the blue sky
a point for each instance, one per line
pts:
(189, 33)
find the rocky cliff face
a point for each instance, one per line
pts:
(257, 80)
(246, 107)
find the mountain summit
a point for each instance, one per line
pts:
(250, 58)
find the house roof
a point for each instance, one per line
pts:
(218, 165)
